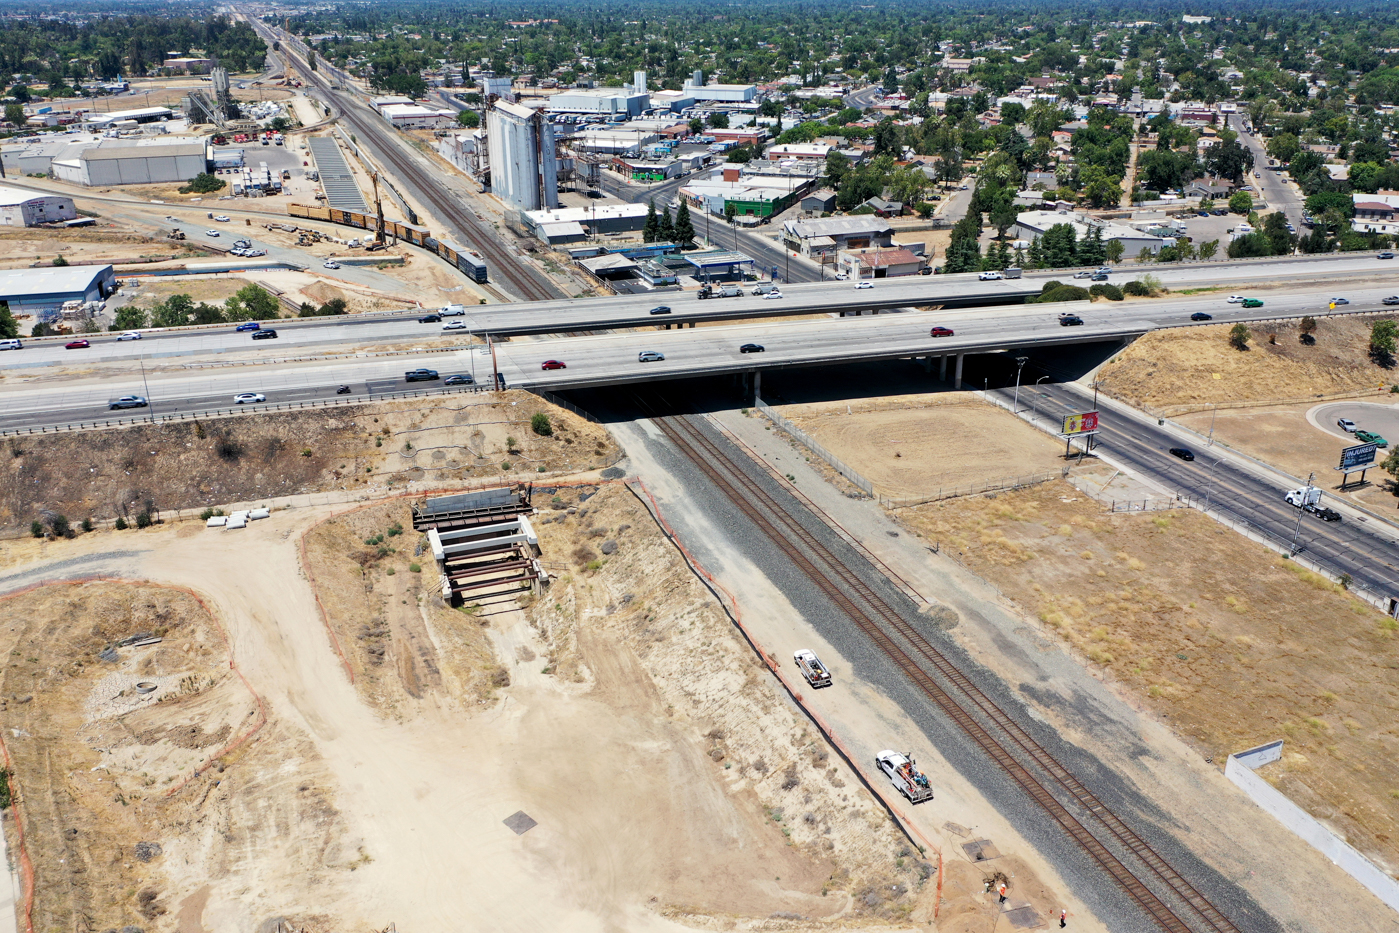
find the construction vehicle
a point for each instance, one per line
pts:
(176, 234)
(904, 775)
(812, 669)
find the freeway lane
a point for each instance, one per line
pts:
(1351, 546)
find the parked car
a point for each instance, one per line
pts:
(751, 348)
(940, 332)
(420, 375)
(1183, 453)
(1345, 424)
(991, 276)
(130, 335)
(76, 345)
(1253, 302)
(247, 325)
(650, 356)
(223, 218)
(842, 276)
(553, 364)
(459, 379)
(455, 325)
(265, 333)
(1370, 437)
(1201, 316)
(660, 309)
(247, 398)
(128, 401)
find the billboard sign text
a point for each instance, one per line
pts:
(1358, 457)
(1084, 422)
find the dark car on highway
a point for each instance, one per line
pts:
(430, 319)
(1070, 320)
(247, 325)
(76, 345)
(420, 375)
(1183, 453)
(265, 334)
(751, 348)
(1201, 316)
(661, 309)
(460, 379)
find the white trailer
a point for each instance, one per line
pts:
(904, 775)
(812, 669)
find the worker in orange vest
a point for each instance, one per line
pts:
(1002, 892)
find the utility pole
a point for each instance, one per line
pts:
(1300, 511)
(1209, 488)
(1020, 362)
(147, 386)
(1034, 400)
(1212, 415)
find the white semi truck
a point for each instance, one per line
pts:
(904, 775)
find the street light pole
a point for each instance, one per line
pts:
(147, 386)
(1034, 400)
(1300, 510)
(1020, 362)
(1212, 414)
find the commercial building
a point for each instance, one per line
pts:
(524, 170)
(719, 93)
(35, 156)
(379, 103)
(878, 263)
(756, 197)
(189, 66)
(818, 238)
(674, 101)
(609, 101)
(603, 219)
(613, 141)
(1032, 224)
(147, 162)
(810, 151)
(416, 116)
(141, 115)
(20, 208)
(42, 292)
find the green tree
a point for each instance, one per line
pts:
(174, 311)
(665, 230)
(469, 119)
(696, 126)
(1238, 336)
(311, 59)
(1240, 202)
(129, 317)
(652, 227)
(836, 167)
(203, 183)
(719, 121)
(684, 226)
(1283, 147)
(539, 424)
(1208, 249)
(250, 303)
(1382, 342)
(1002, 217)
(9, 327)
(1114, 250)
(14, 113)
(205, 313)
(21, 93)
(1249, 246)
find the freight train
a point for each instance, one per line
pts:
(471, 263)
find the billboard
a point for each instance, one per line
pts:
(1358, 457)
(1085, 422)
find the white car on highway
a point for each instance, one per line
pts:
(1236, 299)
(455, 325)
(244, 398)
(772, 294)
(223, 218)
(331, 264)
(991, 276)
(211, 233)
(130, 335)
(864, 285)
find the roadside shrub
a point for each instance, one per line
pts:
(36, 528)
(1136, 289)
(1106, 290)
(121, 524)
(143, 520)
(1066, 293)
(205, 515)
(87, 524)
(5, 788)
(1238, 337)
(59, 261)
(505, 464)
(540, 425)
(60, 526)
(415, 568)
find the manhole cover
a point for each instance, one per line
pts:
(521, 822)
(981, 850)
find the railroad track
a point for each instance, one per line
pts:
(482, 238)
(875, 617)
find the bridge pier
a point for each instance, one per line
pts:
(957, 380)
(927, 364)
(757, 384)
(942, 368)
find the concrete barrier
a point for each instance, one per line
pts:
(1239, 769)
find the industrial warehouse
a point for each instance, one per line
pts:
(20, 208)
(39, 292)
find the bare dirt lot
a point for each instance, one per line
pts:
(1175, 370)
(24, 248)
(918, 445)
(1229, 643)
(103, 474)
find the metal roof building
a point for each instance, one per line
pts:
(36, 291)
(20, 208)
(144, 163)
(338, 182)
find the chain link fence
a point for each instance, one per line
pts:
(806, 440)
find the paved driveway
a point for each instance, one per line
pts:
(1368, 416)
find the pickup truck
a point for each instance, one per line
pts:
(420, 375)
(904, 775)
(812, 669)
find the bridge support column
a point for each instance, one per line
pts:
(927, 364)
(957, 379)
(942, 368)
(757, 384)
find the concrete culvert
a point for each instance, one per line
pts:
(146, 686)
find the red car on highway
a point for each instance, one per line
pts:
(940, 332)
(553, 364)
(76, 345)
